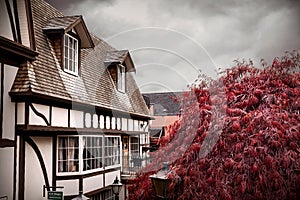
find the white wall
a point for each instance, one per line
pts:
(107, 122)
(136, 125)
(70, 186)
(92, 183)
(88, 120)
(113, 123)
(124, 124)
(6, 172)
(59, 117)
(118, 123)
(34, 178)
(95, 121)
(21, 113)
(8, 107)
(35, 119)
(110, 177)
(101, 121)
(76, 119)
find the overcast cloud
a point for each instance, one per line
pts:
(171, 40)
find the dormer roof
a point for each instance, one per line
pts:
(120, 57)
(66, 24)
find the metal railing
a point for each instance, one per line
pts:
(133, 164)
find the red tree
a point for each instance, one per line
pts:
(238, 137)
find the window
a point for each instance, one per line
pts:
(71, 54)
(104, 195)
(112, 151)
(76, 154)
(68, 154)
(134, 146)
(92, 153)
(108, 195)
(121, 78)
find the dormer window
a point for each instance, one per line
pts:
(67, 36)
(121, 78)
(70, 54)
(119, 63)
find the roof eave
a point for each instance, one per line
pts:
(86, 39)
(15, 53)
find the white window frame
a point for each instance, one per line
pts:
(81, 146)
(121, 78)
(134, 146)
(114, 155)
(67, 59)
(68, 149)
(99, 153)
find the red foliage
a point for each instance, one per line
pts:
(238, 137)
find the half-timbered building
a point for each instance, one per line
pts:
(72, 115)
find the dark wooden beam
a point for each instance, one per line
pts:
(7, 143)
(54, 156)
(82, 176)
(21, 169)
(40, 158)
(30, 25)
(68, 104)
(17, 23)
(37, 130)
(15, 54)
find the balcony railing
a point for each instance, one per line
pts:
(132, 164)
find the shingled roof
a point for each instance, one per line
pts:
(116, 56)
(164, 103)
(94, 86)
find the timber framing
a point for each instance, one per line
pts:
(7, 143)
(36, 130)
(82, 176)
(30, 25)
(32, 97)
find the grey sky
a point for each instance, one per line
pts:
(171, 40)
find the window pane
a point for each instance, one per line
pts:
(66, 40)
(134, 146)
(68, 151)
(92, 152)
(70, 42)
(112, 151)
(121, 78)
(66, 52)
(70, 54)
(70, 51)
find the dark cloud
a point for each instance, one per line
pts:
(62, 5)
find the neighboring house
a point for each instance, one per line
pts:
(71, 112)
(165, 109)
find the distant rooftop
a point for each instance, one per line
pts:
(164, 103)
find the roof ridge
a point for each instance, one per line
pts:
(176, 92)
